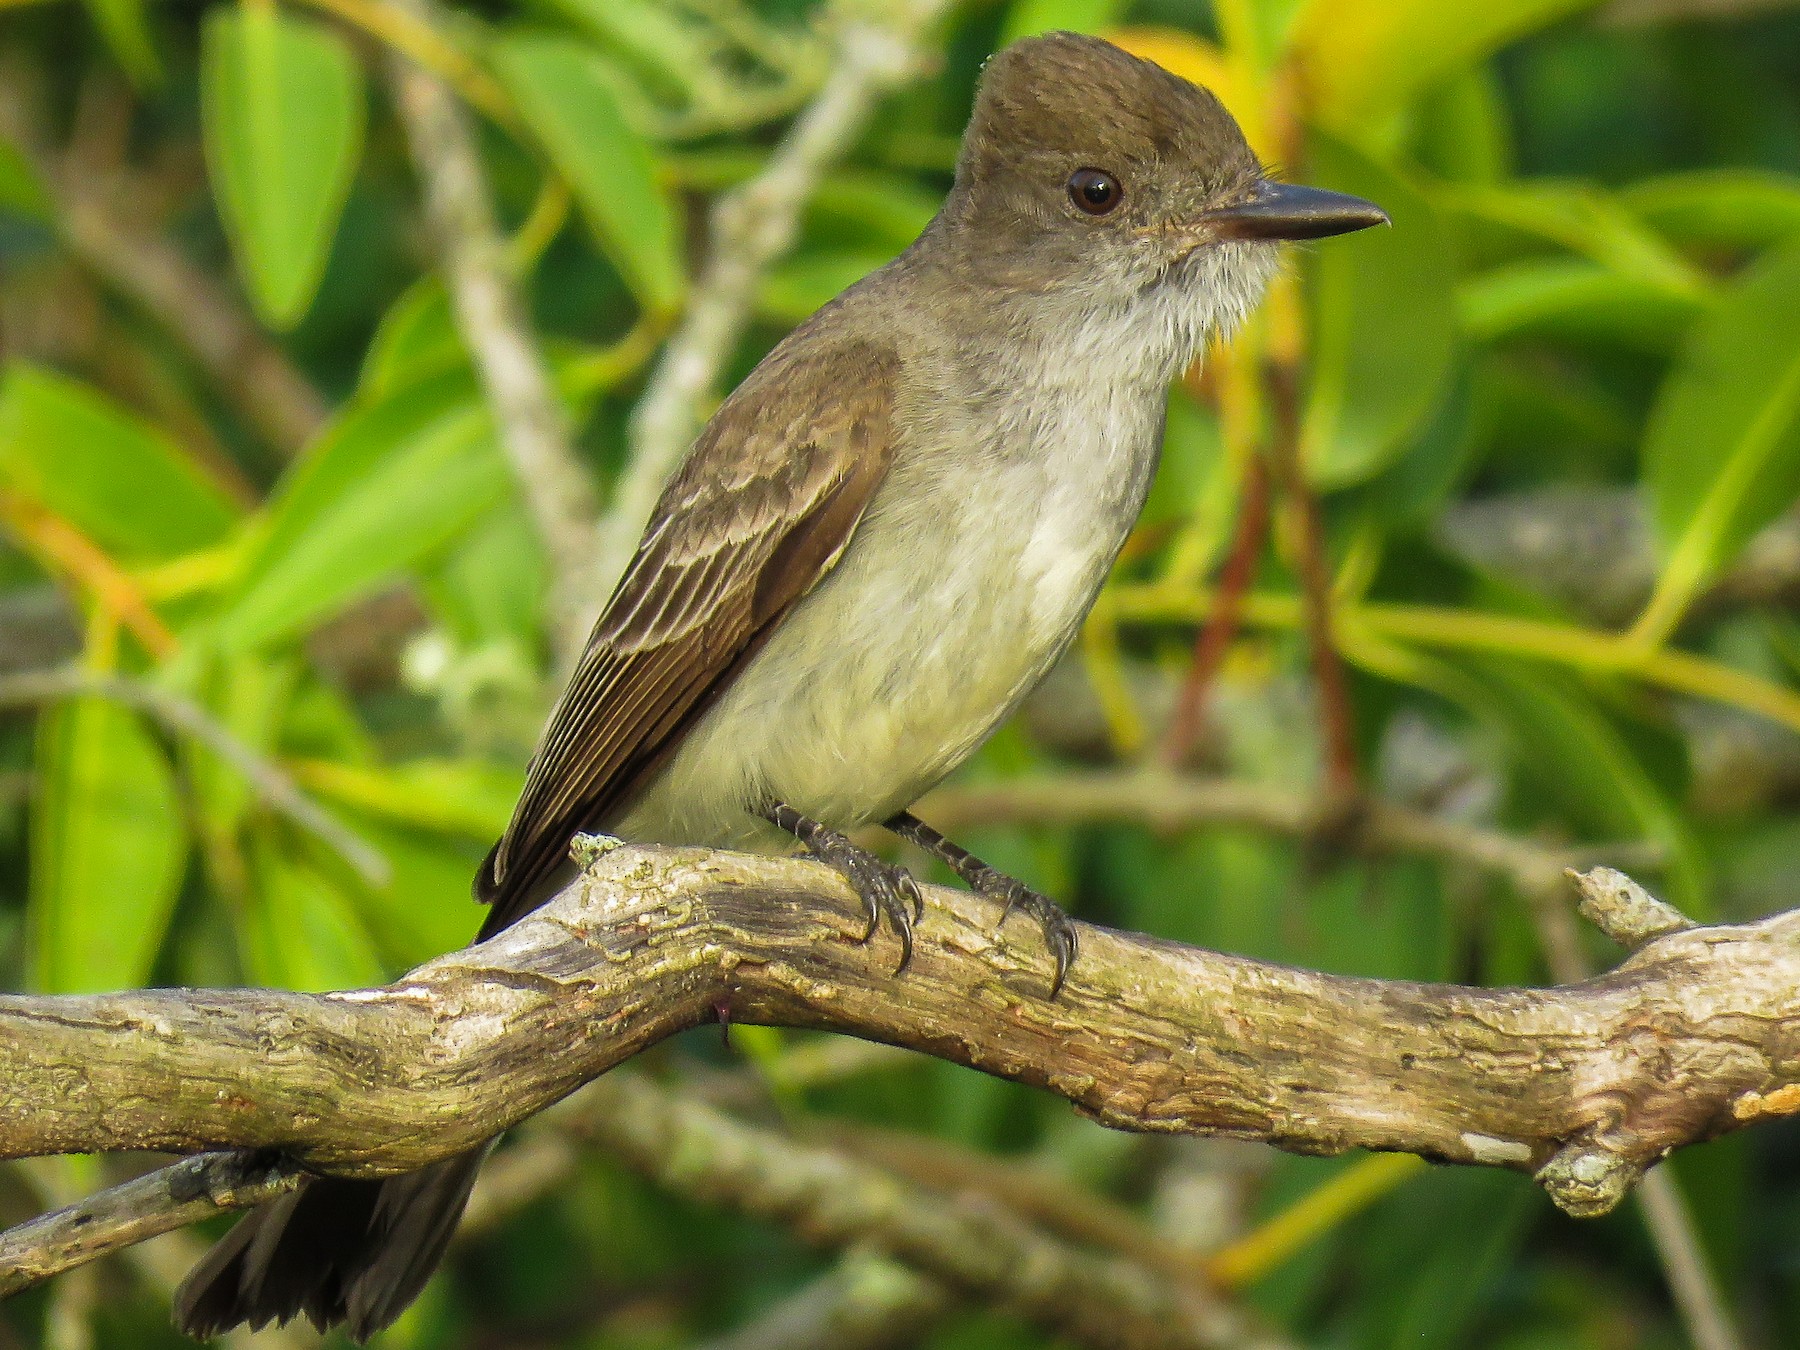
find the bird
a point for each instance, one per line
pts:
(874, 549)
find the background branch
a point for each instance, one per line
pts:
(158, 1202)
(492, 317)
(867, 1302)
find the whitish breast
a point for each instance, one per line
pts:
(968, 577)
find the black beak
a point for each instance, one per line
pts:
(1288, 211)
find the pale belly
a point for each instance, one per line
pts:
(948, 607)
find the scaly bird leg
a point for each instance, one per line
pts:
(884, 888)
(1059, 930)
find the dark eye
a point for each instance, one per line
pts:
(1095, 191)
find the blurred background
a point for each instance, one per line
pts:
(1472, 557)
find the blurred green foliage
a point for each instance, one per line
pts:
(1592, 287)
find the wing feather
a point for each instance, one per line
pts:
(762, 507)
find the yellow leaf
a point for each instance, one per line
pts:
(1362, 63)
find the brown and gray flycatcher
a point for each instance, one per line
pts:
(874, 550)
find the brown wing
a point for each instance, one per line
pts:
(762, 506)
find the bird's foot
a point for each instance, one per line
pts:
(886, 889)
(1058, 927)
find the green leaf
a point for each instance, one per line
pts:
(1463, 132)
(1196, 486)
(107, 849)
(1732, 208)
(1576, 760)
(564, 92)
(22, 191)
(386, 485)
(299, 931)
(281, 103)
(655, 42)
(111, 475)
(1028, 18)
(1366, 61)
(249, 693)
(1384, 326)
(426, 909)
(417, 338)
(1194, 476)
(1573, 298)
(124, 26)
(1435, 1260)
(444, 796)
(1416, 485)
(880, 210)
(1585, 220)
(491, 586)
(1722, 450)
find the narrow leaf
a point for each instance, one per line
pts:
(417, 338)
(1572, 298)
(1366, 61)
(112, 475)
(299, 931)
(282, 111)
(388, 484)
(124, 26)
(1027, 18)
(1586, 220)
(108, 845)
(1733, 208)
(22, 191)
(563, 89)
(1722, 451)
(1384, 326)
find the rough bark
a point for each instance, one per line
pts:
(1695, 1034)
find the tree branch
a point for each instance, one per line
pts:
(1163, 800)
(1697, 1033)
(159, 1202)
(866, 1303)
(491, 316)
(1094, 1298)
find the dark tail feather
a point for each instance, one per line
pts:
(338, 1250)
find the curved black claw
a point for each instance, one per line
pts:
(1058, 927)
(885, 888)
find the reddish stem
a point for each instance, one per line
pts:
(1338, 720)
(1222, 624)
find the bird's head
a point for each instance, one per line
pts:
(1085, 169)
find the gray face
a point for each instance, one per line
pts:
(1087, 169)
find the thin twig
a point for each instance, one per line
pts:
(1164, 801)
(1215, 635)
(1337, 718)
(750, 228)
(273, 787)
(1697, 1294)
(492, 317)
(158, 1202)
